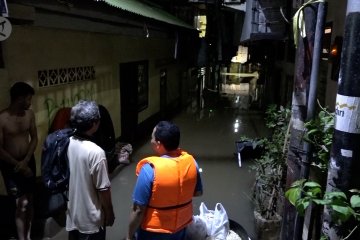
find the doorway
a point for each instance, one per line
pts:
(133, 95)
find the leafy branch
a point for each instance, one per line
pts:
(344, 206)
(319, 132)
(269, 185)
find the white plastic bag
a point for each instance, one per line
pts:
(234, 236)
(217, 221)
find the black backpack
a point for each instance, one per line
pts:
(55, 169)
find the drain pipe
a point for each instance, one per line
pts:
(344, 166)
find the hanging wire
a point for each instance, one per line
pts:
(283, 15)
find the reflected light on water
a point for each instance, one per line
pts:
(236, 126)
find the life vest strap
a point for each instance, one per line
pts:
(171, 207)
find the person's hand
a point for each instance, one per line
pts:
(20, 165)
(23, 169)
(27, 172)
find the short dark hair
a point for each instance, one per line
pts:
(20, 89)
(83, 115)
(168, 134)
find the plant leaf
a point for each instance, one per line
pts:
(312, 131)
(314, 192)
(355, 201)
(334, 195)
(312, 184)
(321, 201)
(343, 213)
(301, 206)
(293, 194)
(298, 183)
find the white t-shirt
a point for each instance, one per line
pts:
(88, 175)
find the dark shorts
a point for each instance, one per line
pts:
(76, 235)
(16, 184)
(146, 235)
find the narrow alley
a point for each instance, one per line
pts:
(210, 137)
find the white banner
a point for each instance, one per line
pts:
(347, 113)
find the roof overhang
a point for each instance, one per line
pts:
(148, 11)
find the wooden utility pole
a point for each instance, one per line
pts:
(298, 160)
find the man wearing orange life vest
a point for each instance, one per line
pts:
(164, 189)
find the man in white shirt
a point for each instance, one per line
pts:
(90, 207)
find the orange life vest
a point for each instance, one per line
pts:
(170, 206)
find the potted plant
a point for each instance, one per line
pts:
(270, 174)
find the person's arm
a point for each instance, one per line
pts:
(106, 203)
(198, 188)
(19, 166)
(33, 138)
(102, 184)
(4, 155)
(141, 197)
(22, 166)
(136, 217)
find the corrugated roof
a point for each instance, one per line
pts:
(142, 9)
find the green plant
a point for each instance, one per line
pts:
(343, 206)
(269, 168)
(319, 132)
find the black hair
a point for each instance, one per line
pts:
(21, 89)
(83, 115)
(168, 134)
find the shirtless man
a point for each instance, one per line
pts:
(18, 140)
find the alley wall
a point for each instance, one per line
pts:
(44, 57)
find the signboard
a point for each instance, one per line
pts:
(5, 28)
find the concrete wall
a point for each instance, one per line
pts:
(32, 49)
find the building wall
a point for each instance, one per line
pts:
(32, 49)
(336, 15)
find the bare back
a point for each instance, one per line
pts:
(15, 132)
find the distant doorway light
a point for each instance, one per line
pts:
(200, 24)
(241, 55)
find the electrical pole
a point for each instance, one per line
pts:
(344, 166)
